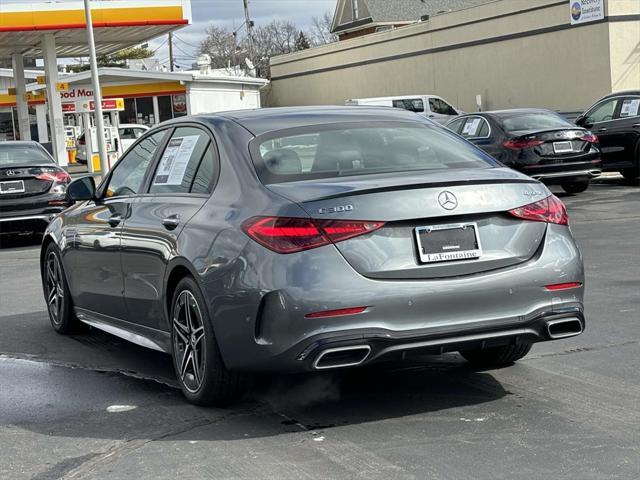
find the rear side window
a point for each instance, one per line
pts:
(475, 127)
(411, 104)
(355, 149)
(630, 107)
(533, 121)
(127, 134)
(187, 160)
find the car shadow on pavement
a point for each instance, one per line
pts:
(273, 404)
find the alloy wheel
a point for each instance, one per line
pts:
(55, 288)
(188, 341)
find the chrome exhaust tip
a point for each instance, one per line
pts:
(564, 328)
(341, 357)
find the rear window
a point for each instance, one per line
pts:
(22, 155)
(533, 121)
(330, 151)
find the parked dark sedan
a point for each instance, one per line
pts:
(616, 120)
(32, 187)
(308, 239)
(539, 143)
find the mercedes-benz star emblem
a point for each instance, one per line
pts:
(447, 200)
(10, 173)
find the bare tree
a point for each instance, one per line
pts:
(321, 30)
(223, 47)
(275, 38)
(278, 37)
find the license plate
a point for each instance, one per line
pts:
(15, 186)
(448, 243)
(562, 147)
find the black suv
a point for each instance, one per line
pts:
(615, 119)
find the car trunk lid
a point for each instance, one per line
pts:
(25, 181)
(447, 202)
(556, 145)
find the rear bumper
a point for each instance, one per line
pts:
(574, 171)
(573, 175)
(380, 345)
(264, 328)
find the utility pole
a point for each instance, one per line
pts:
(97, 96)
(249, 27)
(171, 51)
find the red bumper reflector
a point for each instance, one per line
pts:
(563, 286)
(336, 313)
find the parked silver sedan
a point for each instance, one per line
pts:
(313, 238)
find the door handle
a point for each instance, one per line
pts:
(171, 222)
(602, 130)
(636, 125)
(115, 219)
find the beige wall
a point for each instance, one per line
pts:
(564, 70)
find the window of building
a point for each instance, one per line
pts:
(179, 105)
(128, 115)
(144, 111)
(165, 109)
(6, 125)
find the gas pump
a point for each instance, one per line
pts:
(70, 137)
(111, 135)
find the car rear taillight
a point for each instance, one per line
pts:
(549, 210)
(55, 176)
(590, 137)
(520, 143)
(290, 234)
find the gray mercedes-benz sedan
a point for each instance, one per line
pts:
(313, 238)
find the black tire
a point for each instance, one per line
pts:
(496, 356)
(575, 187)
(632, 175)
(56, 293)
(200, 369)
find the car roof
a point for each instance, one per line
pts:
(518, 111)
(621, 93)
(132, 125)
(263, 120)
(24, 143)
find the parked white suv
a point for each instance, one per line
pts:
(431, 106)
(128, 133)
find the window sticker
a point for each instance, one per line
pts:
(630, 108)
(471, 128)
(175, 158)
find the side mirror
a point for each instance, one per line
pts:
(580, 121)
(82, 189)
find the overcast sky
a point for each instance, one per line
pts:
(230, 13)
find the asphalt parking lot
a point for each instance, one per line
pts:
(94, 407)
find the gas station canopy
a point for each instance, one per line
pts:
(117, 24)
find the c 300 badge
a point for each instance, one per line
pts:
(337, 209)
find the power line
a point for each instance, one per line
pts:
(185, 42)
